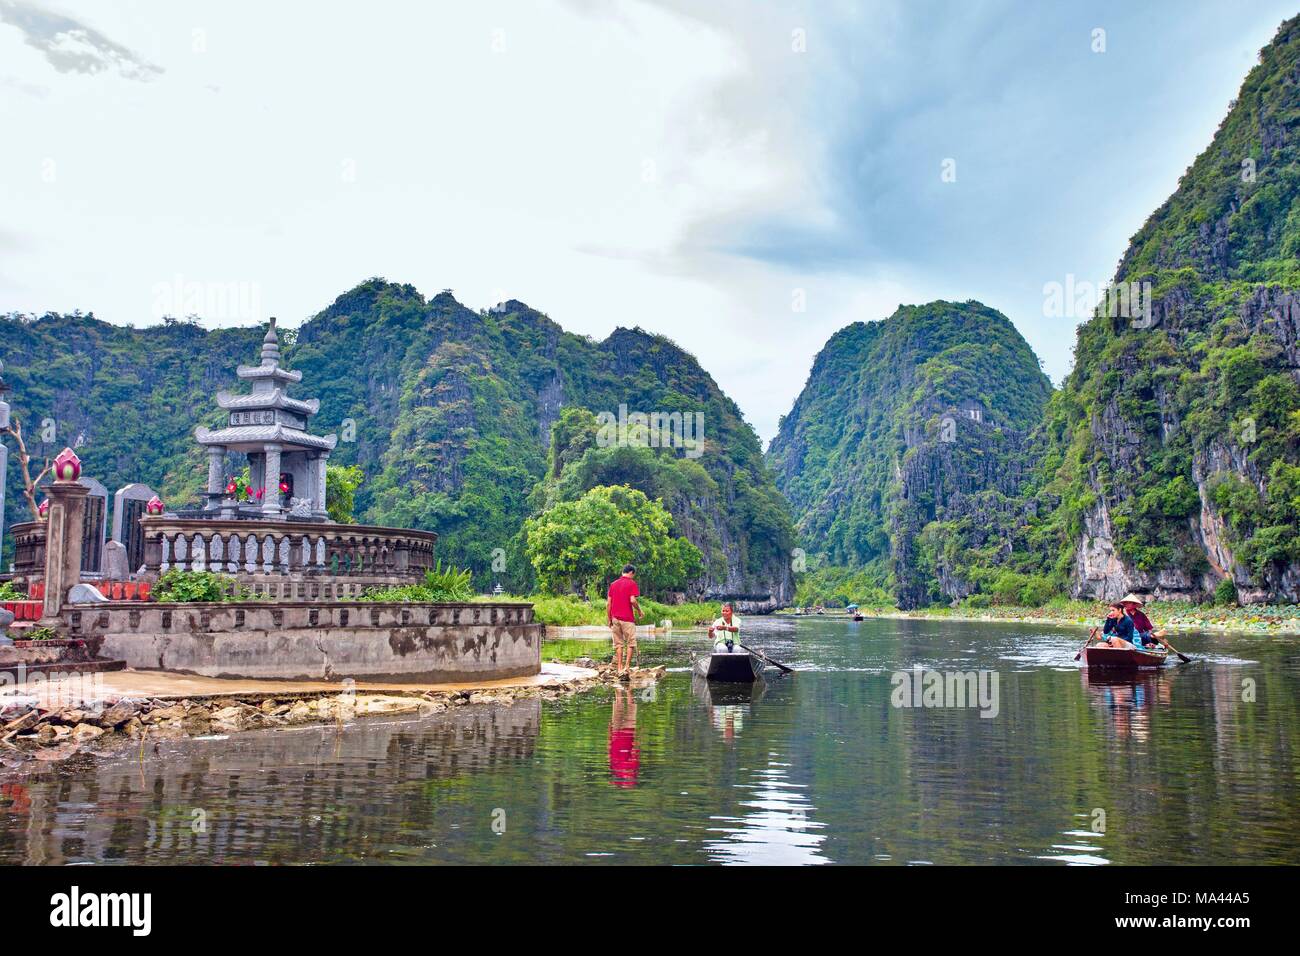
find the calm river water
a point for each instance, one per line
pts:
(1196, 764)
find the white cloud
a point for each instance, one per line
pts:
(675, 165)
(69, 45)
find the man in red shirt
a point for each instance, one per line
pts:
(623, 610)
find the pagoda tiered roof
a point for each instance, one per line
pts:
(260, 434)
(277, 398)
(266, 414)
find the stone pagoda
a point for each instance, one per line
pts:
(286, 463)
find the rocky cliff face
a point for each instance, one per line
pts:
(905, 425)
(1179, 427)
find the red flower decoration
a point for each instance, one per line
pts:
(284, 487)
(231, 489)
(43, 509)
(67, 466)
(154, 506)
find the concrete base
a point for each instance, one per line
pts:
(410, 643)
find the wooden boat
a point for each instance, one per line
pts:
(739, 667)
(1103, 655)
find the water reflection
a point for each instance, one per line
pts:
(1126, 698)
(265, 796)
(775, 827)
(624, 757)
(728, 704)
(1194, 764)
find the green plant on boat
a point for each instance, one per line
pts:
(11, 592)
(441, 585)
(40, 634)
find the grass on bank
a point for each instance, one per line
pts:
(570, 611)
(1256, 617)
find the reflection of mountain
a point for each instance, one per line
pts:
(273, 796)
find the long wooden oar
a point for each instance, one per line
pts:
(1158, 635)
(763, 657)
(1091, 634)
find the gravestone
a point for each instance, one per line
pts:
(128, 508)
(116, 567)
(93, 531)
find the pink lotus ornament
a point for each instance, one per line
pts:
(43, 509)
(154, 506)
(67, 466)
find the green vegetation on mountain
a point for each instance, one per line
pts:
(341, 484)
(1175, 440)
(1169, 460)
(904, 423)
(447, 412)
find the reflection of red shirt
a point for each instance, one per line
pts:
(621, 593)
(624, 758)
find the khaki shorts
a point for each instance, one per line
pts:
(624, 633)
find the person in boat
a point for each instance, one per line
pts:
(723, 631)
(1117, 629)
(1144, 632)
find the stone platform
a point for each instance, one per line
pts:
(329, 641)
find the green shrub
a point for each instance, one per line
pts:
(10, 592)
(188, 586)
(1225, 592)
(1037, 591)
(441, 585)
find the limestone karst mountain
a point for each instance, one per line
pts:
(1169, 461)
(449, 411)
(1174, 445)
(919, 418)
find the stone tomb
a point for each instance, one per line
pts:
(94, 526)
(128, 508)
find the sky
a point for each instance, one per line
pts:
(743, 177)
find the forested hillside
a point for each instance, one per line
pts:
(921, 417)
(1172, 452)
(1169, 461)
(451, 413)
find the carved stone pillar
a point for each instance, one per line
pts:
(271, 483)
(321, 464)
(67, 514)
(216, 486)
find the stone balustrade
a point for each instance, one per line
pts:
(262, 551)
